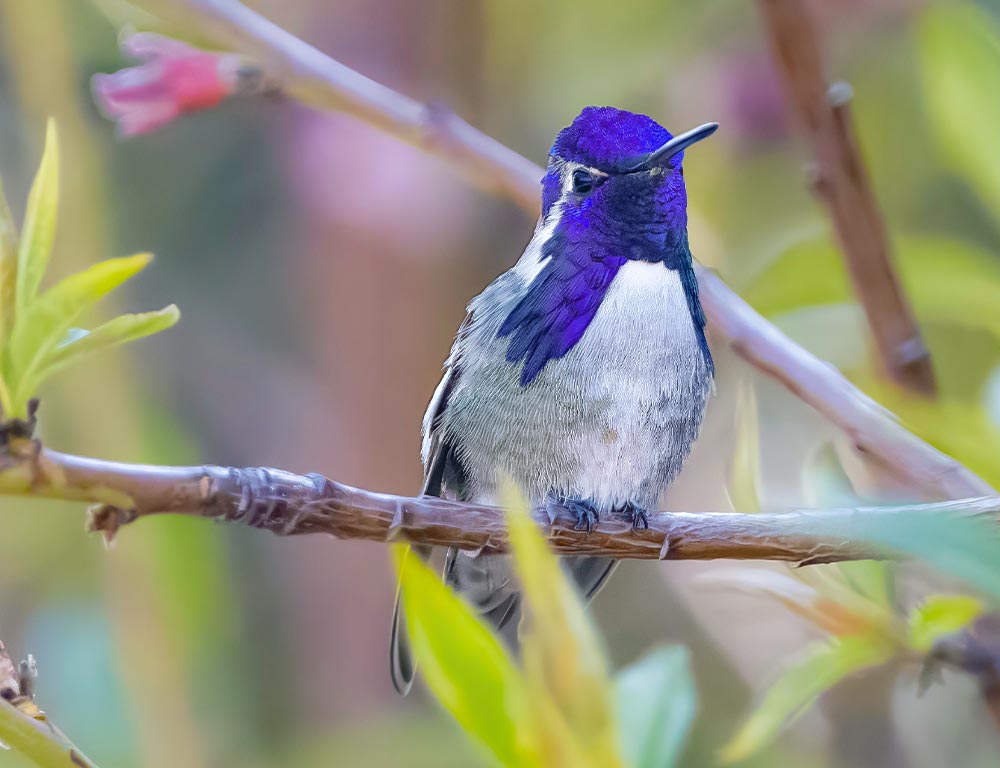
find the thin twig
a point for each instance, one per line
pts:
(288, 504)
(310, 76)
(26, 729)
(841, 181)
(319, 81)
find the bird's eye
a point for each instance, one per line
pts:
(583, 182)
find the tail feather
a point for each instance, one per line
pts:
(488, 583)
(402, 667)
(590, 574)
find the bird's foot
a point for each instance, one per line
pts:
(585, 512)
(636, 515)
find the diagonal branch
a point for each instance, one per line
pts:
(841, 182)
(288, 504)
(319, 81)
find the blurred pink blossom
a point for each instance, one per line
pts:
(173, 79)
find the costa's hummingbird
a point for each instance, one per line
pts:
(582, 373)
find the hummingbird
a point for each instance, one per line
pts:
(583, 372)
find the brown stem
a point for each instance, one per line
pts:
(841, 182)
(288, 504)
(319, 81)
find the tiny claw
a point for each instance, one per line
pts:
(636, 515)
(584, 511)
(586, 514)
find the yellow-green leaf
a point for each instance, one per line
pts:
(959, 47)
(940, 615)
(121, 329)
(39, 228)
(961, 429)
(8, 268)
(560, 647)
(826, 484)
(38, 330)
(819, 668)
(745, 482)
(656, 697)
(965, 547)
(465, 666)
(948, 280)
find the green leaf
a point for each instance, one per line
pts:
(948, 280)
(39, 228)
(965, 547)
(959, 50)
(656, 698)
(963, 430)
(124, 328)
(940, 615)
(465, 667)
(563, 658)
(819, 668)
(826, 484)
(8, 268)
(808, 274)
(45, 323)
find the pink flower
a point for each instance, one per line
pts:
(173, 79)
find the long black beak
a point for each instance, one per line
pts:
(672, 147)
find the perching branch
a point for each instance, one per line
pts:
(841, 182)
(307, 74)
(25, 728)
(288, 504)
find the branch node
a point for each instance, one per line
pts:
(665, 549)
(27, 673)
(396, 524)
(19, 430)
(321, 484)
(817, 180)
(839, 94)
(260, 503)
(911, 351)
(107, 519)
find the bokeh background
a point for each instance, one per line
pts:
(322, 269)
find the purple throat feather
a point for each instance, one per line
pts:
(640, 217)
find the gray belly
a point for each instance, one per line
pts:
(612, 421)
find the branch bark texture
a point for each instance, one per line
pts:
(841, 182)
(289, 504)
(309, 75)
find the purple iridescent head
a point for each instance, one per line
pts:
(618, 165)
(613, 193)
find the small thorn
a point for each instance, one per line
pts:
(665, 549)
(396, 526)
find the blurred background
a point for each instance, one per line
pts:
(322, 269)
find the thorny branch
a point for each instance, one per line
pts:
(309, 75)
(288, 504)
(841, 182)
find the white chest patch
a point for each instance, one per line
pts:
(611, 421)
(643, 322)
(649, 376)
